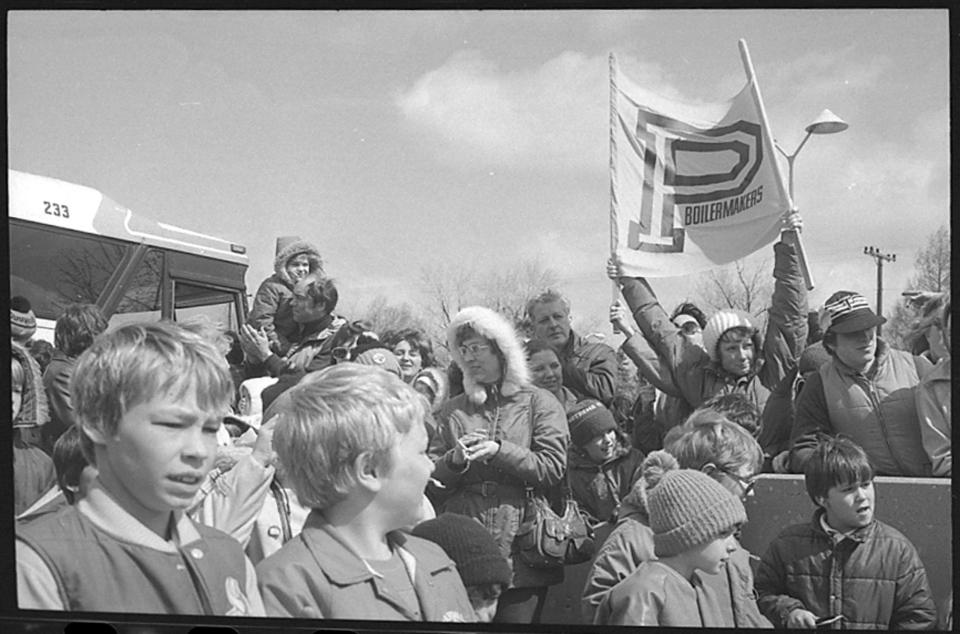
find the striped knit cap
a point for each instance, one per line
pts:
(720, 323)
(688, 508)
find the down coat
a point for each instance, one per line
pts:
(527, 421)
(33, 472)
(874, 578)
(599, 488)
(272, 307)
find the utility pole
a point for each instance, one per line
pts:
(875, 253)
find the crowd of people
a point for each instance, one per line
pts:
(307, 466)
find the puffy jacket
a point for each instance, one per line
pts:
(876, 410)
(529, 424)
(874, 578)
(599, 488)
(933, 408)
(631, 543)
(695, 375)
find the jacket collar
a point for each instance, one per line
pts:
(883, 351)
(858, 535)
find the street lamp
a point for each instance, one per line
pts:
(880, 257)
(825, 123)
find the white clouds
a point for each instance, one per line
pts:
(553, 116)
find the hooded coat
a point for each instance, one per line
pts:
(33, 472)
(530, 426)
(272, 307)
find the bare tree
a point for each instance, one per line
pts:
(932, 266)
(741, 286)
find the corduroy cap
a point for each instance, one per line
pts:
(688, 508)
(589, 419)
(470, 546)
(720, 323)
(846, 311)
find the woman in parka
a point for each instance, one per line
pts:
(272, 305)
(735, 357)
(498, 437)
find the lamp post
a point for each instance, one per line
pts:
(875, 253)
(825, 123)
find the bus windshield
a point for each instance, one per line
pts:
(100, 253)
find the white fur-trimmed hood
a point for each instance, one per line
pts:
(493, 326)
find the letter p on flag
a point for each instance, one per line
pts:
(667, 155)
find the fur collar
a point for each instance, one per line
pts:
(493, 326)
(292, 249)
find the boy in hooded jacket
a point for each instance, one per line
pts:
(273, 304)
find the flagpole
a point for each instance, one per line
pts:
(615, 286)
(771, 152)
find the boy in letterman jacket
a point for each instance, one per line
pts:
(149, 400)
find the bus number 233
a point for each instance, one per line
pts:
(56, 209)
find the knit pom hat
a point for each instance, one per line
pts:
(23, 323)
(589, 419)
(720, 323)
(470, 546)
(688, 508)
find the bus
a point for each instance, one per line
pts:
(70, 243)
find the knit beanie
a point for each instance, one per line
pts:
(589, 419)
(688, 508)
(23, 323)
(720, 323)
(470, 546)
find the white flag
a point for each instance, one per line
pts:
(692, 186)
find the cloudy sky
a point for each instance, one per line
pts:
(401, 140)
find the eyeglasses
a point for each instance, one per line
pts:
(746, 485)
(474, 349)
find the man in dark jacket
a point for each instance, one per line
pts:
(845, 564)
(589, 368)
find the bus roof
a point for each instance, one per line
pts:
(57, 203)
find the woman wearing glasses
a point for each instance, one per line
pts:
(725, 451)
(500, 435)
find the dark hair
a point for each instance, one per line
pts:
(417, 339)
(738, 408)
(235, 353)
(836, 461)
(69, 461)
(321, 290)
(829, 342)
(533, 346)
(77, 327)
(689, 308)
(42, 351)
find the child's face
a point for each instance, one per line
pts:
(710, 557)
(16, 397)
(298, 266)
(601, 448)
(736, 353)
(159, 455)
(404, 481)
(484, 603)
(849, 506)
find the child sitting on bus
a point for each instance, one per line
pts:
(693, 519)
(149, 399)
(351, 442)
(272, 308)
(844, 564)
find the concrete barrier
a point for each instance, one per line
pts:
(920, 508)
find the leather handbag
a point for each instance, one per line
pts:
(548, 540)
